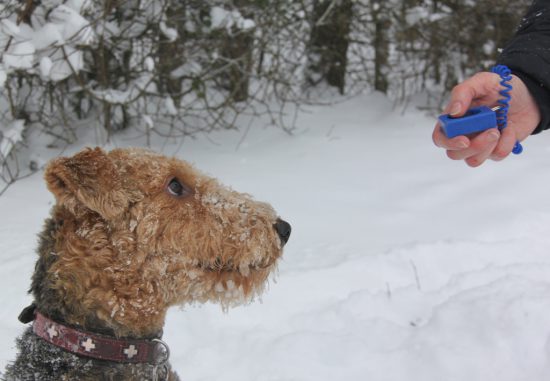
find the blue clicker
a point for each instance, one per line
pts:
(482, 118)
(476, 119)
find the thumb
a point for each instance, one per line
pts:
(456, 107)
(474, 88)
(461, 99)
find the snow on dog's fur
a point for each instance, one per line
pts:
(131, 234)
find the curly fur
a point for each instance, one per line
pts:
(118, 250)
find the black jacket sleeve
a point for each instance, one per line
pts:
(527, 54)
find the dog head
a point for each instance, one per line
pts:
(138, 232)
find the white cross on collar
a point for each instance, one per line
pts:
(88, 345)
(131, 351)
(52, 332)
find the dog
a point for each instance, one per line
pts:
(131, 234)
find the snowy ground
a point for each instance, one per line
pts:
(402, 264)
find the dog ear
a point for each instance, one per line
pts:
(89, 178)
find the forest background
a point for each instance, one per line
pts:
(178, 68)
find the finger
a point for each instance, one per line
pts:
(456, 143)
(480, 86)
(505, 144)
(478, 145)
(477, 160)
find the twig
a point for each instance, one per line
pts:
(416, 277)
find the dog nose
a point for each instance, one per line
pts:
(283, 229)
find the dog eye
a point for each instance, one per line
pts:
(175, 188)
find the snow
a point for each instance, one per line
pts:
(402, 264)
(170, 106)
(246, 24)
(79, 5)
(19, 55)
(73, 27)
(149, 64)
(47, 45)
(9, 27)
(170, 33)
(10, 136)
(63, 68)
(149, 123)
(3, 76)
(47, 35)
(221, 18)
(113, 95)
(45, 66)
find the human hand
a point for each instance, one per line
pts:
(484, 89)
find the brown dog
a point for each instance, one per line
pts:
(133, 233)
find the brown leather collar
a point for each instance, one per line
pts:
(154, 352)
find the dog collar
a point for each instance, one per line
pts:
(100, 347)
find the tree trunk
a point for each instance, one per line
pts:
(171, 54)
(381, 45)
(329, 41)
(236, 54)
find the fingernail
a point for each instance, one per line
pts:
(461, 145)
(494, 136)
(455, 109)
